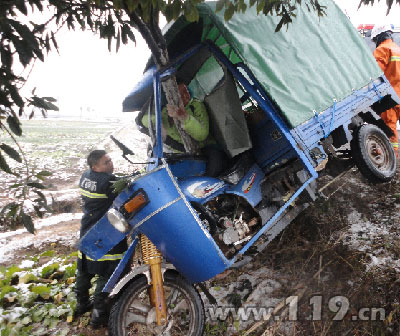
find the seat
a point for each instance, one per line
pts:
(227, 120)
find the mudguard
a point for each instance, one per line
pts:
(137, 270)
(249, 186)
(169, 221)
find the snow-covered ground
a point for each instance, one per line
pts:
(66, 234)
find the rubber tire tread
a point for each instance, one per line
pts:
(138, 284)
(360, 155)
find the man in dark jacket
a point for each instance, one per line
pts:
(97, 196)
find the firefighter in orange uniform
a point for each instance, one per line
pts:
(387, 54)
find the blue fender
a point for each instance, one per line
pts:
(169, 221)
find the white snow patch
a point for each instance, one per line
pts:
(13, 315)
(364, 236)
(39, 223)
(26, 264)
(8, 245)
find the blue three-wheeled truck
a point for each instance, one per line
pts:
(285, 108)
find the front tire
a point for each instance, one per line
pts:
(133, 314)
(373, 154)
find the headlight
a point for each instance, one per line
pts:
(117, 220)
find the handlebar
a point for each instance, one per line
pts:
(125, 150)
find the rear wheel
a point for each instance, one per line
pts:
(133, 313)
(373, 154)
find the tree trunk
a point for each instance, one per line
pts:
(158, 47)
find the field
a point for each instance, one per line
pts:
(334, 271)
(58, 146)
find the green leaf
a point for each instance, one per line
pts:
(15, 95)
(63, 332)
(12, 209)
(6, 207)
(177, 6)
(70, 271)
(190, 11)
(44, 173)
(20, 4)
(118, 40)
(50, 99)
(43, 103)
(41, 290)
(260, 5)
(6, 57)
(26, 34)
(117, 4)
(132, 4)
(26, 320)
(13, 269)
(37, 211)
(26, 278)
(131, 35)
(14, 124)
(36, 185)
(11, 152)
(41, 195)
(124, 35)
(54, 40)
(220, 4)
(48, 270)
(48, 253)
(109, 43)
(4, 165)
(27, 220)
(5, 290)
(229, 11)
(39, 54)
(120, 185)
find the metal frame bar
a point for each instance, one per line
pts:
(121, 266)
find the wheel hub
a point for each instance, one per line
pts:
(377, 152)
(151, 322)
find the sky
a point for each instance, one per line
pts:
(90, 81)
(85, 77)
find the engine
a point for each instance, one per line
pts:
(231, 220)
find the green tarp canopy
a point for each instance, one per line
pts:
(302, 68)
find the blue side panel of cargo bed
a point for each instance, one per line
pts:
(309, 134)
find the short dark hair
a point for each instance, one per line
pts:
(95, 156)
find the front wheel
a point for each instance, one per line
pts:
(373, 154)
(133, 313)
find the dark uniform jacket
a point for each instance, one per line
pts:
(97, 196)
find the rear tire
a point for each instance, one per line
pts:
(373, 154)
(132, 314)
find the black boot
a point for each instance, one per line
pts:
(82, 307)
(99, 318)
